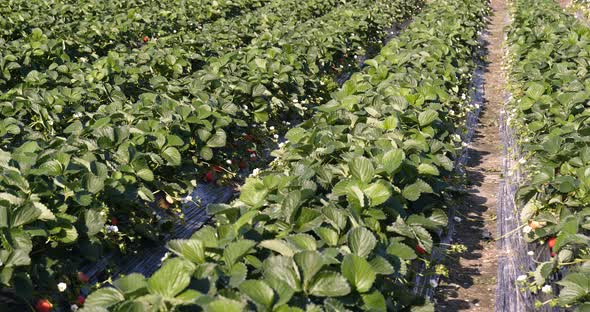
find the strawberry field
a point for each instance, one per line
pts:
(341, 131)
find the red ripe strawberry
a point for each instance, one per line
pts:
(80, 300)
(249, 150)
(43, 305)
(114, 221)
(217, 168)
(552, 254)
(209, 176)
(249, 137)
(551, 242)
(83, 278)
(243, 164)
(146, 38)
(420, 250)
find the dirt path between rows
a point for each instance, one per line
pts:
(471, 284)
(564, 3)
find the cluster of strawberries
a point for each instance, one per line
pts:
(211, 175)
(44, 305)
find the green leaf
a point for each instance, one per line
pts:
(329, 284)
(206, 153)
(358, 272)
(24, 214)
(290, 204)
(172, 156)
(542, 272)
(3, 217)
(427, 117)
(68, 235)
(412, 192)
(303, 241)
(172, 278)
(283, 269)
(279, 246)
(392, 160)
(427, 169)
(258, 291)
(295, 135)
(382, 266)
(402, 251)
(535, 90)
(575, 287)
(94, 184)
(328, 235)
(361, 241)
(362, 169)
(218, 139)
(235, 250)
(310, 262)
(253, 192)
(374, 301)
(104, 297)
(94, 221)
(224, 305)
(145, 174)
(378, 192)
(191, 249)
(238, 274)
(132, 283)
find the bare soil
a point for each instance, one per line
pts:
(471, 284)
(564, 3)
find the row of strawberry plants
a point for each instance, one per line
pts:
(350, 201)
(548, 60)
(86, 26)
(79, 152)
(227, 35)
(38, 50)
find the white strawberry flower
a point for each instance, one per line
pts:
(521, 278)
(276, 136)
(62, 287)
(112, 229)
(530, 253)
(547, 289)
(271, 128)
(74, 307)
(228, 161)
(457, 219)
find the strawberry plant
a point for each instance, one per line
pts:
(548, 53)
(337, 219)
